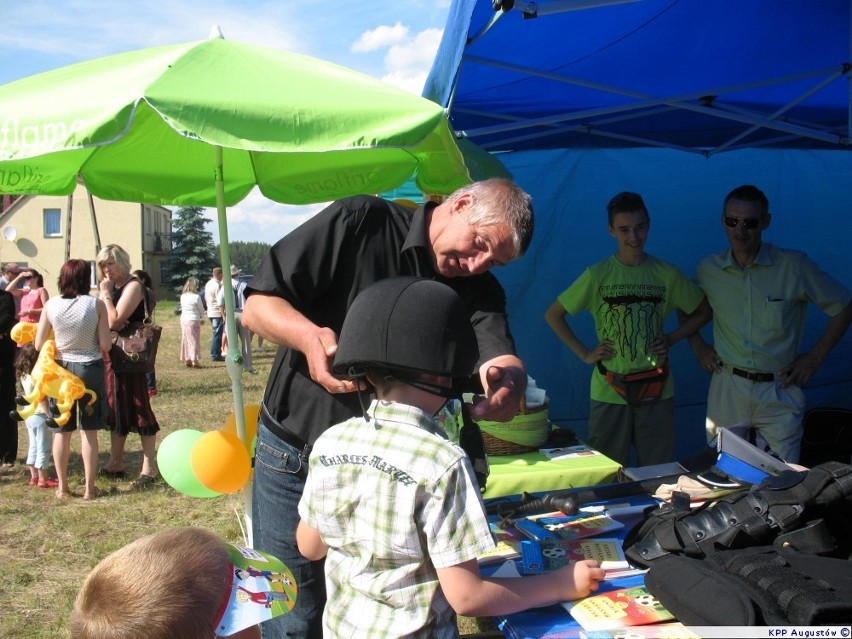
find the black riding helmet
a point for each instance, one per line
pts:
(407, 324)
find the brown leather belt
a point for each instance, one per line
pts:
(753, 377)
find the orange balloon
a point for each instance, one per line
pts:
(220, 461)
(251, 412)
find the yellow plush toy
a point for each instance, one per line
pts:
(25, 332)
(49, 379)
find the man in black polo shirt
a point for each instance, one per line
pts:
(299, 298)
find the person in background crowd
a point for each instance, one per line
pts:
(32, 297)
(15, 278)
(79, 324)
(244, 334)
(40, 437)
(760, 295)
(191, 316)
(298, 300)
(129, 403)
(10, 272)
(8, 349)
(211, 299)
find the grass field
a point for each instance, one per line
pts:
(48, 545)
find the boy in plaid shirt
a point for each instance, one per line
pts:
(390, 502)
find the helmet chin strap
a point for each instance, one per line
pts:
(357, 376)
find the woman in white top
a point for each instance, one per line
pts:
(191, 316)
(79, 323)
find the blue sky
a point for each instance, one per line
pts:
(395, 41)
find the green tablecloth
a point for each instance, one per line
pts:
(534, 473)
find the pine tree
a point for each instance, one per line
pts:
(193, 251)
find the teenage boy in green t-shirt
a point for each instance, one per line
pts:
(630, 294)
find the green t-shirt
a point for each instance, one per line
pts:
(629, 305)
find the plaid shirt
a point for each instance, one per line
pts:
(394, 500)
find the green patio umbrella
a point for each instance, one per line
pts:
(205, 122)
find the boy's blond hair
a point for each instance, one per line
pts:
(163, 586)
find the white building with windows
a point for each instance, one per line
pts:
(43, 231)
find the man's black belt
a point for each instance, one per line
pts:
(282, 433)
(753, 377)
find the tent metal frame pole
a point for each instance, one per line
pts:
(644, 100)
(778, 113)
(675, 102)
(552, 7)
(556, 128)
(607, 88)
(592, 130)
(471, 40)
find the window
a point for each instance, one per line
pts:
(52, 223)
(163, 272)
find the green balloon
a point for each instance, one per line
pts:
(173, 459)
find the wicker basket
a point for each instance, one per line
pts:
(533, 427)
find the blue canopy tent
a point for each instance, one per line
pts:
(680, 100)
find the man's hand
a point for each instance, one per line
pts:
(504, 388)
(660, 346)
(707, 358)
(805, 365)
(604, 350)
(799, 373)
(319, 353)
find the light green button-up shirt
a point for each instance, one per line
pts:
(759, 311)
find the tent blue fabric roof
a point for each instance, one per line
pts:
(688, 74)
(572, 100)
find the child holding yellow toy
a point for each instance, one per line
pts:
(40, 438)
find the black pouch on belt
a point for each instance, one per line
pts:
(640, 388)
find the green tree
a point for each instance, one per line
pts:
(193, 251)
(247, 255)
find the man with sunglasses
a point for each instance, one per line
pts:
(760, 294)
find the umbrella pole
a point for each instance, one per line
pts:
(233, 359)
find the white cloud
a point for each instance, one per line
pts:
(408, 63)
(257, 219)
(380, 37)
(84, 29)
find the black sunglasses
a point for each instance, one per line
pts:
(750, 223)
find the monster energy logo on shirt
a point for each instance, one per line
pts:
(631, 317)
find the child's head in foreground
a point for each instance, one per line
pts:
(168, 585)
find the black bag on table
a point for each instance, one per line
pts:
(778, 554)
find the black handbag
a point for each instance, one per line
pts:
(134, 347)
